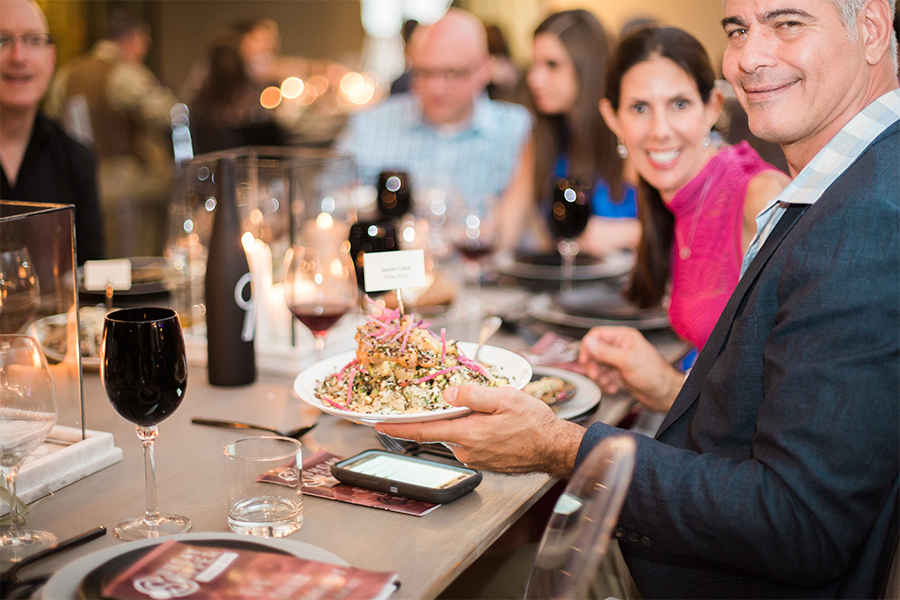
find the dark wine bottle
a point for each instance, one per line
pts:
(230, 322)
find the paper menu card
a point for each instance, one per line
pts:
(184, 570)
(318, 481)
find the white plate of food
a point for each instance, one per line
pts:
(583, 399)
(52, 332)
(506, 364)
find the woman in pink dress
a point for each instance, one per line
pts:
(697, 203)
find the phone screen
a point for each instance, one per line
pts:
(407, 471)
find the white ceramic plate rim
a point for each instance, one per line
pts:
(512, 366)
(587, 394)
(64, 583)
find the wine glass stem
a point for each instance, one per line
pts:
(11, 478)
(148, 436)
(320, 346)
(568, 249)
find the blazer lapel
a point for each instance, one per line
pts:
(691, 389)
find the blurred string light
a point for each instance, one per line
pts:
(358, 88)
(270, 97)
(292, 87)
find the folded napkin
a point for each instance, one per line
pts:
(554, 350)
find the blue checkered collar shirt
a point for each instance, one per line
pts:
(481, 122)
(824, 169)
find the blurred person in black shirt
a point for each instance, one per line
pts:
(40, 163)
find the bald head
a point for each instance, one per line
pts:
(451, 66)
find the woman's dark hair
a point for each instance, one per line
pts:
(590, 143)
(651, 272)
(227, 83)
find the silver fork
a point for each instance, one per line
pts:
(414, 448)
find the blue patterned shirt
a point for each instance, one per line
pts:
(829, 164)
(478, 160)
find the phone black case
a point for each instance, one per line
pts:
(407, 490)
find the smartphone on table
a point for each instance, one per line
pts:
(407, 476)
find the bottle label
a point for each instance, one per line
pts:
(248, 306)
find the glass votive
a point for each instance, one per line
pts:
(263, 477)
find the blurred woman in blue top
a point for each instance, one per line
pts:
(570, 138)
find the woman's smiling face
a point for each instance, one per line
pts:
(663, 122)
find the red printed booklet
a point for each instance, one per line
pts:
(317, 481)
(183, 570)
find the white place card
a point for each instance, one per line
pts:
(394, 270)
(116, 271)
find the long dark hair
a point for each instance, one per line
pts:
(651, 273)
(226, 85)
(590, 143)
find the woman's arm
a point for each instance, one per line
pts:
(760, 191)
(517, 204)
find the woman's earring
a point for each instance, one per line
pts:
(621, 150)
(706, 142)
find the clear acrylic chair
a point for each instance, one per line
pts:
(583, 519)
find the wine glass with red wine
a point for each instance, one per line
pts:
(570, 212)
(144, 370)
(473, 235)
(394, 195)
(319, 287)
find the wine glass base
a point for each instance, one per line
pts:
(12, 550)
(140, 529)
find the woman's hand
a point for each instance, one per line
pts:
(621, 358)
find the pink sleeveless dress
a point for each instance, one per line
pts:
(706, 257)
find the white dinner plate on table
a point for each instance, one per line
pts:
(65, 582)
(586, 396)
(511, 366)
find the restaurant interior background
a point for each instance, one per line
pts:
(333, 29)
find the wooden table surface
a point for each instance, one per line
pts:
(428, 552)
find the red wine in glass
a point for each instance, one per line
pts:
(144, 372)
(394, 195)
(570, 212)
(474, 250)
(319, 287)
(319, 317)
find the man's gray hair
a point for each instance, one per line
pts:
(849, 11)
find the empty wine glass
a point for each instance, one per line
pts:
(319, 287)
(27, 414)
(394, 195)
(144, 371)
(20, 292)
(570, 212)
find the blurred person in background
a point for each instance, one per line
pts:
(226, 112)
(402, 83)
(130, 125)
(570, 138)
(447, 126)
(40, 163)
(505, 75)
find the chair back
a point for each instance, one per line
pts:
(579, 530)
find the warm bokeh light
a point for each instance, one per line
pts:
(350, 81)
(318, 83)
(324, 221)
(247, 241)
(270, 97)
(292, 87)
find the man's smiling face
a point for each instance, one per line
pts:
(25, 70)
(792, 63)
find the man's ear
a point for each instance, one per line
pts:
(714, 107)
(876, 30)
(609, 115)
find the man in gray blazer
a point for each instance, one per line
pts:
(775, 473)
